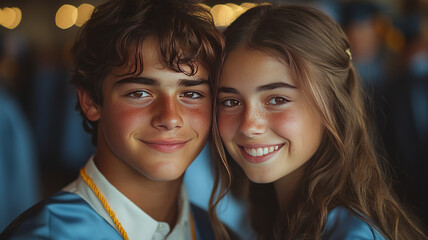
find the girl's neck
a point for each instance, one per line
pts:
(287, 187)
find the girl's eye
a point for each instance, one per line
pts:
(231, 103)
(139, 94)
(191, 95)
(277, 101)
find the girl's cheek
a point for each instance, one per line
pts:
(226, 125)
(284, 123)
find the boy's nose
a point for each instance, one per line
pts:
(252, 123)
(167, 115)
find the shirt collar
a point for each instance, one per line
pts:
(137, 223)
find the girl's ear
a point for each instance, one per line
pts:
(89, 107)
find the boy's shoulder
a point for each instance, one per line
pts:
(64, 215)
(342, 223)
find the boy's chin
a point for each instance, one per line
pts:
(167, 175)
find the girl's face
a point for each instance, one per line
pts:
(265, 121)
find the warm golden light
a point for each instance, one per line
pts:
(237, 10)
(395, 39)
(8, 17)
(222, 14)
(1, 16)
(18, 18)
(204, 6)
(247, 5)
(84, 12)
(66, 16)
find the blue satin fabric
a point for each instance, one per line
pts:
(67, 216)
(19, 187)
(62, 216)
(343, 224)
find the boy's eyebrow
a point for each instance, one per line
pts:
(275, 85)
(192, 82)
(139, 80)
(154, 82)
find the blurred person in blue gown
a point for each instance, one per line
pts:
(408, 98)
(19, 183)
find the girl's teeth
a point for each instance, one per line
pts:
(257, 152)
(253, 152)
(265, 151)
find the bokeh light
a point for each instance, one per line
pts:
(237, 10)
(10, 17)
(84, 12)
(247, 5)
(222, 14)
(66, 16)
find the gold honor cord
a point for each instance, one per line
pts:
(103, 201)
(192, 226)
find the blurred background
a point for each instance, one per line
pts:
(43, 145)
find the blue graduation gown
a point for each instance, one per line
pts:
(67, 216)
(343, 224)
(18, 162)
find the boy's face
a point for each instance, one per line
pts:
(155, 123)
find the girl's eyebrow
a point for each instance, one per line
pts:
(228, 90)
(262, 88)
(275, 85)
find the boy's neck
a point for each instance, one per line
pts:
(159, 199)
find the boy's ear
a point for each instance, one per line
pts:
(89, 107)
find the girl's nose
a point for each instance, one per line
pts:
(252, 122)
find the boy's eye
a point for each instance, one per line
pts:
(139, 94)
(277, 101)
(231, 103)
(191, 95)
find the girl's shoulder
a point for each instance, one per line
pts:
(344, 224)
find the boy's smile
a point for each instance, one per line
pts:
(155, 123)
(166, 145)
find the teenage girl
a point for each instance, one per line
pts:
(291, 119)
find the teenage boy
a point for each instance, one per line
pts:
(144, 72)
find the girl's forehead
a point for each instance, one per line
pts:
(254, 67)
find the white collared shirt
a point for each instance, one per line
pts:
(137, 224)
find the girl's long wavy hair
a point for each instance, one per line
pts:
(346, 169)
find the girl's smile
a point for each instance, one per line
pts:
(260, 154)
